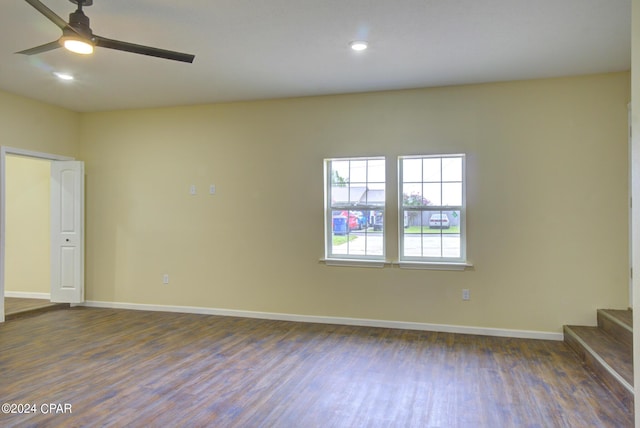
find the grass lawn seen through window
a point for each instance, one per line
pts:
(342, 239)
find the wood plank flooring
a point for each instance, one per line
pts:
(16, 307)
(17, 304)
(145, 369)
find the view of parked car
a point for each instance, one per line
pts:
(438, 221)
(344, 221)
(378, 222)
(353, 219)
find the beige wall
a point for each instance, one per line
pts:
(35, 126)
(547, 203)
(27, 239)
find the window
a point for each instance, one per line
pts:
(432, 208)
(354, 208)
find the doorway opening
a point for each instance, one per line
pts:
(25, 238)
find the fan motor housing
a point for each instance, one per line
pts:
(80, 22)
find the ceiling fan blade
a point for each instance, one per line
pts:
(140, 49)
(51, 15)
(42, 48)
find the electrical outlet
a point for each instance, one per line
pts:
(466, 295)
(165, 278)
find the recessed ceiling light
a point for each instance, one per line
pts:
(358, 45)
(63, 76)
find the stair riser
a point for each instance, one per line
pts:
(616, 330)
(600, 372)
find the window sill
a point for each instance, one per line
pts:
(456, 266)
(451, 266)
(356, 263)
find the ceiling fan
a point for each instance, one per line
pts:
(78, 37)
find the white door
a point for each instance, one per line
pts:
(67, 231)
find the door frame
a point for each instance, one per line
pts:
(631, 188)
(4, 151)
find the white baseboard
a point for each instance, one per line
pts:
(27, 295)
(481, 331)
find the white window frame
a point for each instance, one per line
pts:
(332, 258)
(426, 262)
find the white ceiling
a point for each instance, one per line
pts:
(258, 49)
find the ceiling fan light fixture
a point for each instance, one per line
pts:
(77, 45)
(77, 36)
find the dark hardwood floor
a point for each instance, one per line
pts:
(17, 304)
(16, 307)
(145, 369)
